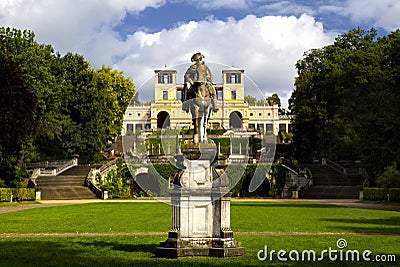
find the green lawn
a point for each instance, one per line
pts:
(127, 217)
(279, 225)
(139, 250)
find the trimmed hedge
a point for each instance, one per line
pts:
(394, 194)
(375, 193)
(378, 193)
(242, 174)
(166, 170)
(19, 194)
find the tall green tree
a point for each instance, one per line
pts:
(274, 100)
(118, 92)
(95, 101)
(17, 120)
(251, 100)
(34, 62)
(59, 104)
(101, 106)
(346, 98)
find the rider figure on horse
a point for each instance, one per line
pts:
(198, 74)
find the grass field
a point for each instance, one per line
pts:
(126, 234)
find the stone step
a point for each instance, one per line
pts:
(328, 183)
(344, 182)
(77, 170)
(334, 192)
(67, 185)
(67, 192)
(60, 180)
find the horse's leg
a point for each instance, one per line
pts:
(206, 117)
(196, 124)
(201, 127)
(204, 125)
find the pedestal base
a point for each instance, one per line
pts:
(164, 251)
(190, 247)
(200, 226)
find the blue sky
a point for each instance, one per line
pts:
(263, 37)
(178, 12)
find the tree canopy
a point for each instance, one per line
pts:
(346, 100)
(271, 100)
(54, 106)
(274, 100)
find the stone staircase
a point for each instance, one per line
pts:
(328, 183)
(67, 185)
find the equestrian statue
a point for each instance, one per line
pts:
(199, 97)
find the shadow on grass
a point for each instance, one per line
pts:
(360, 225)
(52, 253)
(64, 252)
(123, 251)
(285, 205)
(148, 248)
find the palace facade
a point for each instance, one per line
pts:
(234, 112)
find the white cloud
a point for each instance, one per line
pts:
(267, 48)
(69, 25)
(287, 8)
(217, 4)
(382, 13)
(390, 19)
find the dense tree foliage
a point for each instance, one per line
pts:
(346, 100)
(274, 100)
(271, 100)
(54, 106)
(17, 122)
(251, 100)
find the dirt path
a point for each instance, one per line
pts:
(54, 203)
(370, 206)
(26, 207)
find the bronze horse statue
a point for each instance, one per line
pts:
(199, 97)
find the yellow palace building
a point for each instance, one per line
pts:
(234, 112)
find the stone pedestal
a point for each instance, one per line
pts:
(200, 215)
(200, 225)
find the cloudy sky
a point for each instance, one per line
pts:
(263, 37)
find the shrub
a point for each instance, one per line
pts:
(224, 144)
(5, 194)
(117, 181)
(390, 178)
(242, 177)
(375, 193)
(19, 194)
(394, 194)
(166, 170)
(278, 175)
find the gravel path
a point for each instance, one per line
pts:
(27, 206)
(370, 206)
